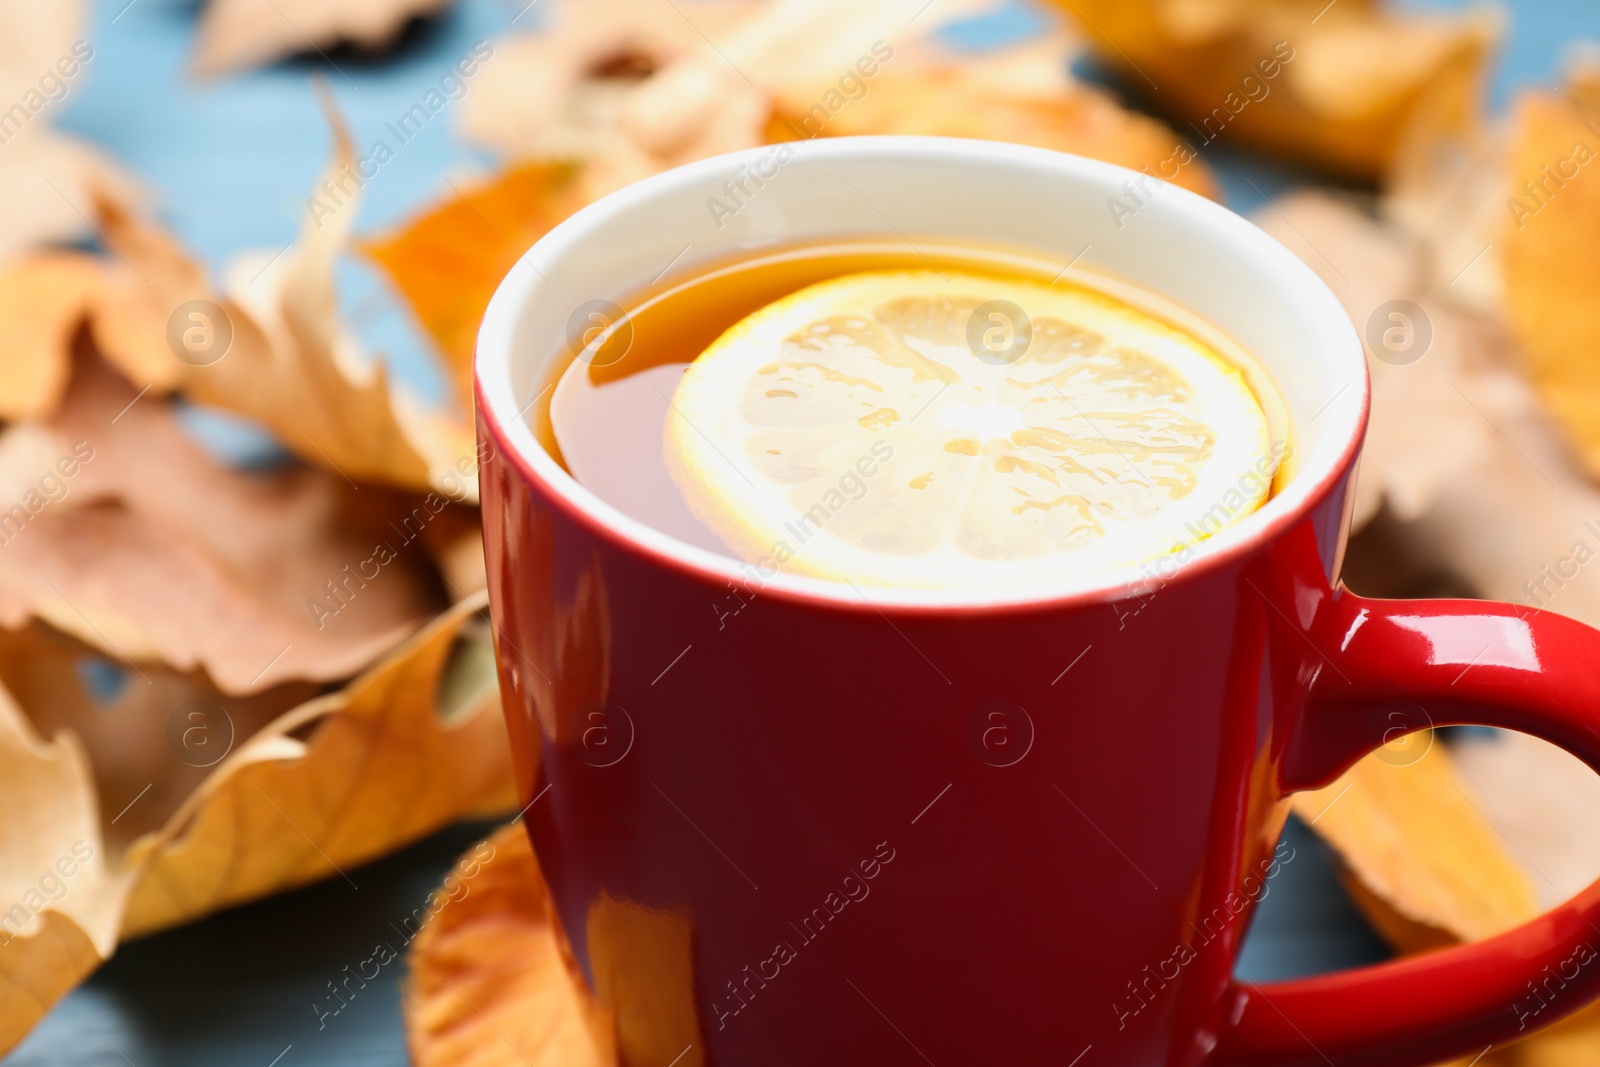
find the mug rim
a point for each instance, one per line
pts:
(503, 418)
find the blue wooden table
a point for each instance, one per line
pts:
(230, 164)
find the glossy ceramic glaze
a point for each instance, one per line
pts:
(787, 821)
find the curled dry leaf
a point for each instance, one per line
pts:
(800, 50)
(1551, 263)
(632, 87)
(62, 906)
(413, 744)
(49, 185)
(120, 531)
(561, 93)
(275, 351)
(409, 746)
(235, 34)
(1021, 94)
(1338, 85)
(492, 981)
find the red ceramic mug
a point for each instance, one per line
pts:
(786, 823)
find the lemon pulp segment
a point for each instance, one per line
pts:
(959, 429)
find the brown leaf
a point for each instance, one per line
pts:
(1335, 85)
(448, 261)
(1551, 264)
(1426, 867)
(235, 34)
(411, 745)
(121, 531)
(61, 904)
(492, 980)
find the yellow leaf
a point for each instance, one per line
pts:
(1426, 867)
(383, 765)
(1551, 263)
(563, 92)
(1021, 94)
(43, 301)
(59, 904)
(448, 261)
(1338, 85)
(493, 983)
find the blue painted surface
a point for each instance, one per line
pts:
(230, 164)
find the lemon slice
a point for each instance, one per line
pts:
(944, 429)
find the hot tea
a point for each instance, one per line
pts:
(927, 415)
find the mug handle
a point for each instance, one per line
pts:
(1468, 663)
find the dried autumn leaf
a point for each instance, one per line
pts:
(1428, 427)
(1337, 85)
(43, 302)
(800, 50)
(1426, 867)
(560, 93)
(1431, 868)
(448, 261)
(49, 185)
(1544, 800)
(409, 746)
(121, 531)
(1021, 94)
(235, 34)
(63, 906)
(632, 87)
(492, 981)
(1521, 523)
(1551, 263)
(289, 363)
(45, 299)
(152, 734)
